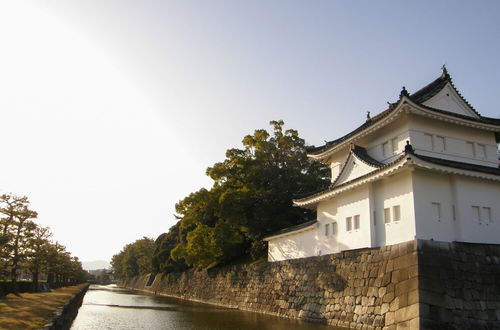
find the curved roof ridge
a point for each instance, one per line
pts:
(431, 89)
(362, 154)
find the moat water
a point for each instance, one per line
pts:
(110, 307)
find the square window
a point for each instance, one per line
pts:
(469, 147)
(436, 211)
(486, 215)
(356, 222)
(327, 229)
(476, 216)
(396, 212)
(334, 228)
(429, 141)
(387, 215)
(348, 223)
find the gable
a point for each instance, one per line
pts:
(353, 168)
(448, 99)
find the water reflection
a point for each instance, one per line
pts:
(109, 307)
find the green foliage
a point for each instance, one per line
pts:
(251, 196)
(25, 246)
(135, 259)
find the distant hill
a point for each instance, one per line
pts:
(96, 264)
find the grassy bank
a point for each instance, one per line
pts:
(33, 310)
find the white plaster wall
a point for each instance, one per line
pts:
(300, 245)
(336, 163)
(349, 204)
(428, 188)
(455, 140)
(397, 130)
(481, 193)
(354, 169)
(387, 193)
(447, 99)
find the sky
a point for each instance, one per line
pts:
(111, 111)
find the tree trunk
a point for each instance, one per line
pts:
(13, 277)
(35, 286)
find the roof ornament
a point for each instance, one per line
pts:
(368, 118)
(445, 74)
(404, 92)
(409, 148)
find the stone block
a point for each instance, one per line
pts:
(394, 305)
(407, 313)
(388, 297)
(406, 286)
(389, 318)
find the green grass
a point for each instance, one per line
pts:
(33, 310)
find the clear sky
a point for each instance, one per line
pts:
(110, 111)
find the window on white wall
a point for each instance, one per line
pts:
(486, 215)
(334, 228)
(385, 149)
(429, 143)
(327, 229)
(436, 211)
(476, 215)
(440, 144)
(356, 222)
(394, 145)
(469, 149)
(387, 215)
(481, 151)
(348, 223)
(396, 212)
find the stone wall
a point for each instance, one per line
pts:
(65, 315)
(459, 285)
(417, 284)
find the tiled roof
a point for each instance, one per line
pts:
(362, 154)
(418, 97)
(292, 228)
(425, 93)
(409, 151)
(461, 165)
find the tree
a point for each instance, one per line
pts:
(17, 224)
(38, 252)
(134, 259)
(251, 197)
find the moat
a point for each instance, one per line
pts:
(110, 307)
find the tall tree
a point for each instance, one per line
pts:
(251, 196)
(19, 226)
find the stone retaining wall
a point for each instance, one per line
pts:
(417, 284)
(65, 316)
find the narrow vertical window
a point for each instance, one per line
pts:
(334, 228)
(348, 223)
(327, 229)
(436, 211)
(387, 215)
(469, 148)
(394, 144)
(356, 222)
(440, 144)
(385, 149)
(476, 216)
(429, 141)
(486, 215)
(396, 212)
